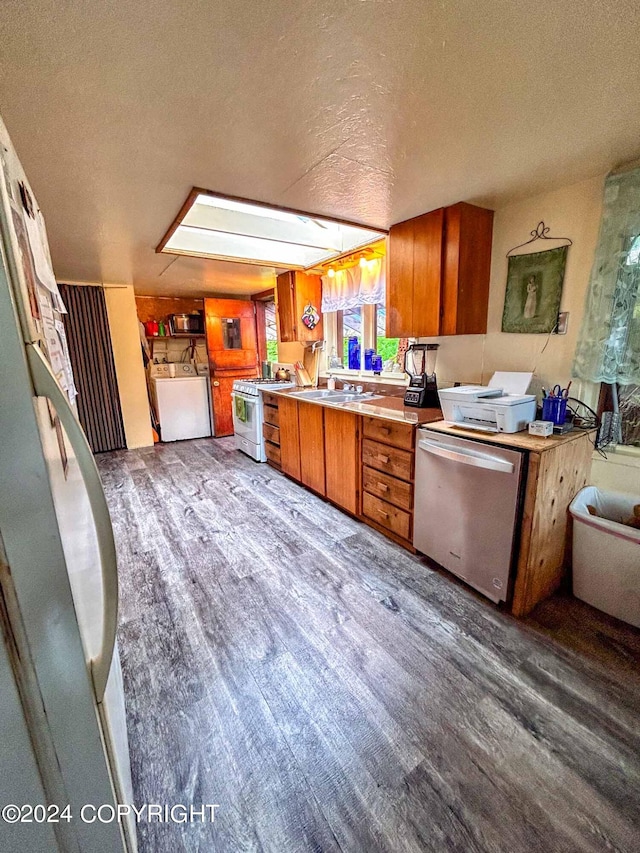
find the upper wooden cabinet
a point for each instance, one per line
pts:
(438, 273)
(295, 290)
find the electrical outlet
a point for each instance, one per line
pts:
(563, 322)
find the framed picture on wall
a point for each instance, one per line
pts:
(534, 290)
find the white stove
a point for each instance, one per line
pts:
(248, 414)
(253, 386)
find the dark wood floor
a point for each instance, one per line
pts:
(331, 692)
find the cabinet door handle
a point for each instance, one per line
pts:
(383, 513)
(385, 430)
(382, 458)
(383, 486)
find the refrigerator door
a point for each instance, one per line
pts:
(466, 502)
(56, 531)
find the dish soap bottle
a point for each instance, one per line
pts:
(331, 382)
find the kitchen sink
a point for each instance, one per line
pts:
(315, 394)
(324, 395)
(352, 398)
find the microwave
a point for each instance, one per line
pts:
(187, 324)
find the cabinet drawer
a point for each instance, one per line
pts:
(390, 460)
(271, 433)
(273, 452)
(387, 515)
(399, 435)
(271, 415)
(270, 399)
(388, 488)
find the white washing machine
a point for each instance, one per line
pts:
(182, 402)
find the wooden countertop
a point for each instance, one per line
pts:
(517, 440)
(386, 408)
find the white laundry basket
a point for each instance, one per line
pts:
(606, 553)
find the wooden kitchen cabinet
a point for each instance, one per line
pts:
(271, 428)
(289, 437)
(414, 277)
(388, 478)
(311, 426)
(439, 265)
(295, 290)
(341, 456)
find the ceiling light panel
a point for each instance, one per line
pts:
(233, 229)
(220, 244)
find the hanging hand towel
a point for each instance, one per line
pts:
(241, 409)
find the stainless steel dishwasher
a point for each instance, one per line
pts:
(467, 496)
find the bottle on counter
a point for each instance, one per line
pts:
(353, 353)
(368, 358)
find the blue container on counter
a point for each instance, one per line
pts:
(554, 409)
(368, 358)
(353, 351)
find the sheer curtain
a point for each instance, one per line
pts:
(354, 286)
(608, 349)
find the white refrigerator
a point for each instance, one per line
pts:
(63, 736)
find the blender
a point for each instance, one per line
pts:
(420, 364)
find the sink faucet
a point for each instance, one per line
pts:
(347, 386)
(359, 389)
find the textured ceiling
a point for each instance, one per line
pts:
(373, 111)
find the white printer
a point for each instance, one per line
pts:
(495, 408)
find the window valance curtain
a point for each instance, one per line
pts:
(359, 285)
(608, 349)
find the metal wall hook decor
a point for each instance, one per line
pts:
(540, 232)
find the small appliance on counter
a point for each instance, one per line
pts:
(420, 365)
(500, 407)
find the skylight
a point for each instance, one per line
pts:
(230, 229)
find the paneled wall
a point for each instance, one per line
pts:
(159, 308)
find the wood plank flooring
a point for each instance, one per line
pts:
(332, 692)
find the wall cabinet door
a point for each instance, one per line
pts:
(467, 269)
(311, 425)
(341, 458)
(295, 290)
(289, 437)
(414, 276)
(438, 273)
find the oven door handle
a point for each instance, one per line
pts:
(467, 457)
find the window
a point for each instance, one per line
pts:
(271, 331)
(367, 323)
(608, 350)
(386, 347)
(629, 401)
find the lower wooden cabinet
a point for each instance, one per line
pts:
(390, 489)
(396, 520)
(387, 478)
(341, 439)
(311, 426)
(289, 437)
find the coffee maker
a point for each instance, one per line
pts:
(420, 364)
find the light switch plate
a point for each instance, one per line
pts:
(563, 322)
